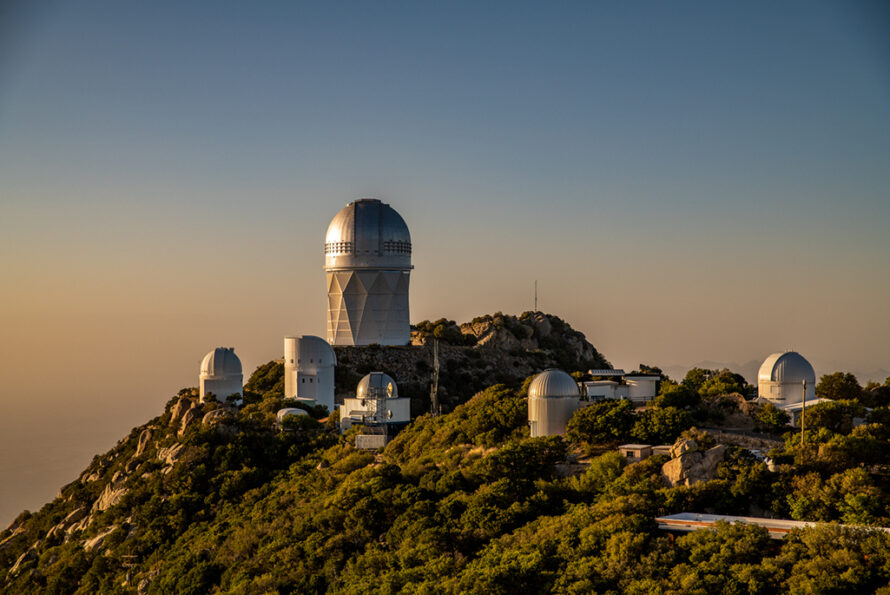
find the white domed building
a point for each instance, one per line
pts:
(368, 266)
(309, 363)
(288, 412)
(376, 401)
(553, 397)
(782, 376)
(221, 374)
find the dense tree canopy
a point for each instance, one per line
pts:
(464, 502)
(838, 386)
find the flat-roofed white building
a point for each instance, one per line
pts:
(618, 384)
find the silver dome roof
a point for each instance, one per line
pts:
(220, 363)
(369, 233)
(787, 367)
(377, 380)
(551, 384)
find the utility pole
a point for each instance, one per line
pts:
(803, 410)
(536, 295)
(434, 385)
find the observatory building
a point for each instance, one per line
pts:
(553, 397)
(309, 370)
(221, 374)
(368, 264)
(378, 407)
(781, 379)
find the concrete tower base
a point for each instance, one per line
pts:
(368, 306)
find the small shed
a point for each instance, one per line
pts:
(635, 452)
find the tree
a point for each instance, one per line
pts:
(661, 425)
(605, 421)
(836, 416)
(770, 418)
(725, 382)
(676, 395)
(838, 386)
(696, 377)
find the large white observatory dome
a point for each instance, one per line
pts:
(553, 397)
(370, 233)
(368, 266)
(376, 380)
(781, 378)
(551, 384)
(221, 374)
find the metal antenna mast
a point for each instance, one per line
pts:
(434, 386)
(536, 295)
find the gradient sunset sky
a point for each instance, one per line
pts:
(687, 181)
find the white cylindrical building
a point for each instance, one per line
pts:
(221, 374)
(781, 379)
(368, 264)
(553, 397)
(309, 370)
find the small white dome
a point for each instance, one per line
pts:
(221, 363)
(282, 413)
(376, 380)
(787, 367)
(551, 384)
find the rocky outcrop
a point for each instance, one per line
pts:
(188, 419)
(29, 555)
(97, 541)
(108, 498)
(179, 408)
(9, 539)
(689, 465)
(216, 416)
(170, 455)
(144, 438)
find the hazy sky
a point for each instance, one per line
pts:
(685, 180)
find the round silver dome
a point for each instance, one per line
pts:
(787, 368)
(377, 380)
(551, 384)
(367, 233)
(221, 363)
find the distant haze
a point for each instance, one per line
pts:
(687, 182)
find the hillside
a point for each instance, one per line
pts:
(206, 498)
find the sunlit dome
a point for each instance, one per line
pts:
(551, 384)
(368, 226)
(221, 363)
(376, 380)
(786, 367)
(781, 378)
(283, 413)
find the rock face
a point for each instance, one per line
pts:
(109, 497)
(502, 348)
(689, 465)
(179, 408)
(216, 416)
(170, 455)
(96, 542)
(144, 437)
(188, 418)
